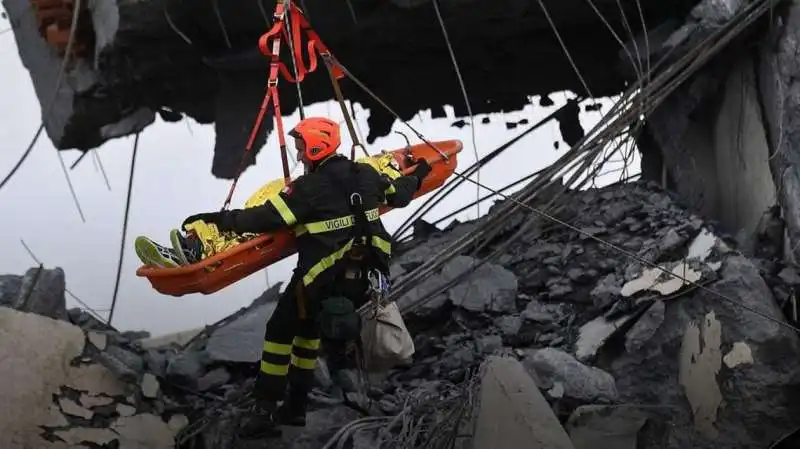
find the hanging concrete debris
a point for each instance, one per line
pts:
(140, 59)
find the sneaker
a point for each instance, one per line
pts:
(188, 249)
(151, 253)
(260, 422)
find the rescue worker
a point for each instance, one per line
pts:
(333, 209)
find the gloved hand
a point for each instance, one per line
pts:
(422, 170)
(208, 217)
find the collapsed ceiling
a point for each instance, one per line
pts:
(200, 59)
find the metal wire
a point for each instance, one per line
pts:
(59, 79)
(589, 147)
(466, 98)
(642, 260)
(90, 309)
(124, 229)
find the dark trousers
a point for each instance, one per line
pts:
(292, 339)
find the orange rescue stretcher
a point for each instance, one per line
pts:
(225, 268)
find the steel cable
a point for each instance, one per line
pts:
(464, 93)
(49, 108)
(124, 229)
(667, 84)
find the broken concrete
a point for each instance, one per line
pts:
(725, 140)
(513, 413)
(562, 373)
(704, 371)
(36, 353)
(240, 340)
(490, 288)
(700, 361)
(607, 427)
(39, 291)
(683, 359)
(55, 393)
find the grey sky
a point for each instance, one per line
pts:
(173, 180)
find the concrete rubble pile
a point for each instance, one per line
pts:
(69, 380)
(625, 356)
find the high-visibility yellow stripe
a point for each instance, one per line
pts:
(273, 369)
(382, 245)
(303, 363)
(329, 261)
(277, 348)
(373, 214)
(334, 224)
(283, 209)
(390, 190)
(306, 343)
(325, 263)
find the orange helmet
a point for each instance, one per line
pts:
(320, 135)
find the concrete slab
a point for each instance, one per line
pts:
(513, 413)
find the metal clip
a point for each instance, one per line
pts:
(378, 285)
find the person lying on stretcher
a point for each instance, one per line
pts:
(211, 241)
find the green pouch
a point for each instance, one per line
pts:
(338, 319)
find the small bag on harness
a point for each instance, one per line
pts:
(338, 319)
(385, 339)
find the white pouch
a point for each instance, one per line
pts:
(385, 339)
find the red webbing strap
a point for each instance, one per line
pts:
(335, 73)
(315, 41)
(299, 25)
(337, 90)
(270, 94)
